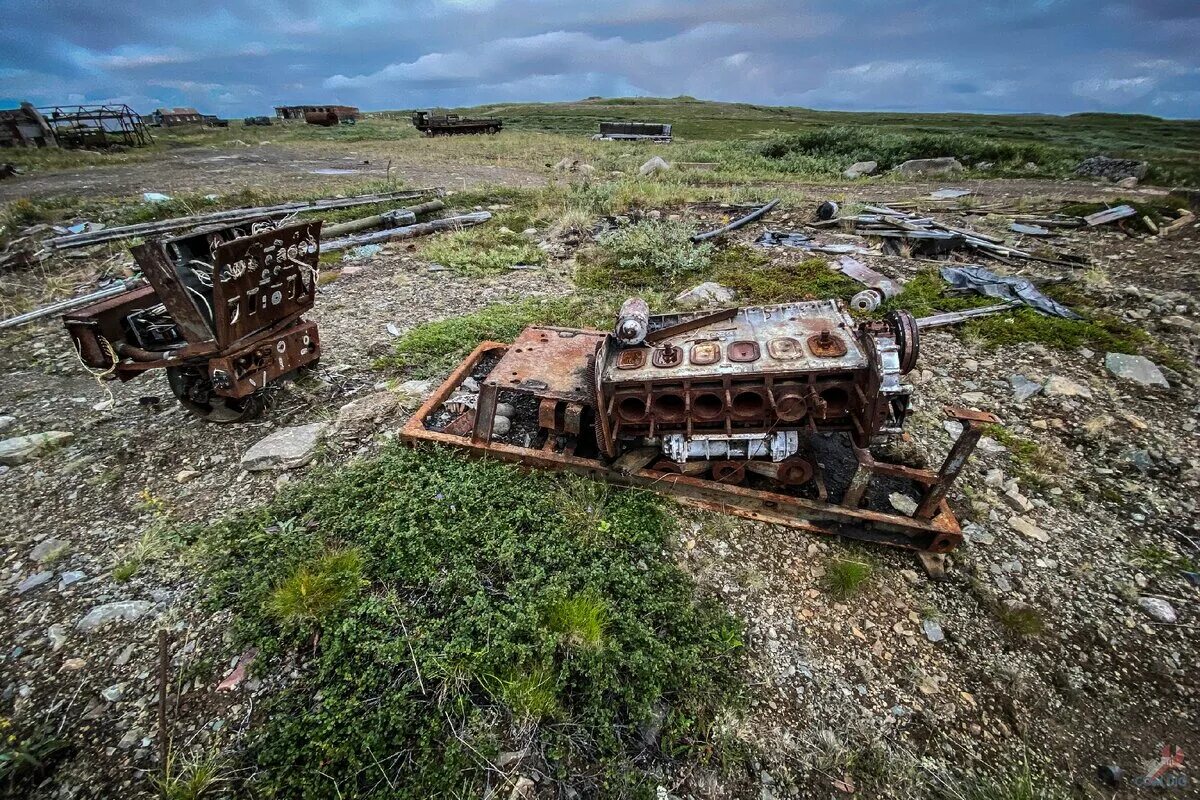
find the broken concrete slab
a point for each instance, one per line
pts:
(286, 448)
(20, 449)
(1138, 369)
(929, 166)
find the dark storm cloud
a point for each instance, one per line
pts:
(1051, 55)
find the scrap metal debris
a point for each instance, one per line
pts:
(805, 242)
(879, 287)
(1109, 215)
(1005, 287)
(737, 223)
(949, 194)
(633, 131)
(956, 317)
(432, 123)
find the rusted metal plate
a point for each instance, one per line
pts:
(160, 271)
(549, 362)
(263, 279)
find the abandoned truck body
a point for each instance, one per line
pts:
(221, 313)
(433, 123)
(634, 131)
(767, 411)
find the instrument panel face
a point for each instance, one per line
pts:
(262, 279)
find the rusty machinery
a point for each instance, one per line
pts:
(221, 313)
(769, 412)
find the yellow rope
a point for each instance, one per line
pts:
(100, 375)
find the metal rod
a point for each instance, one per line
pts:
(71, 303)
(955, 317)
(230, 216)
(387, 218)
(737, 223)
(407, 232)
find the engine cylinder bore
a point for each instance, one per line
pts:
(790, 405)
(669, 408)
(836, 401)
(729, 471)
(631, 408)
(707, 405)
(794, 472)
(749, 404)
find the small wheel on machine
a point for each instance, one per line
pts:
(729, 472)
(194, 390)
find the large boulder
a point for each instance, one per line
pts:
(708, 293)
(286, 448)
(930, 166)
(1114, 169)
(860, 168)
(654, 166)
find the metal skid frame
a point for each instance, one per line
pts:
(933, 527)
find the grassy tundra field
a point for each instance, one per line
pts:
(397, 623)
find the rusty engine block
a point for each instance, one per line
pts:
(222, 314)
(767, 411)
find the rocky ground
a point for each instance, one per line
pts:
(912, 674)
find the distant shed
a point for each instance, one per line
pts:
(300, 113)
(171, 117)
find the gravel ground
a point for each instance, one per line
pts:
(837, 684)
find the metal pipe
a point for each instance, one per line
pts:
(390, 219)
(407, 232)
(737, 223)
(230, 216)
(71, 303)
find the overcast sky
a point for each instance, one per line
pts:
(1057, 56)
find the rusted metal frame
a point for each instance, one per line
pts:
(940, 532)
(972, 422)
(160, 272)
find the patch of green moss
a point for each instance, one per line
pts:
(756, 280)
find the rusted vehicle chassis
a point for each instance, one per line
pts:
(933, 527)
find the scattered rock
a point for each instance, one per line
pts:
(367, 412)
(1128, 183)
(1138, 369)
(933, 630)
(654, 166)
(994, 478)
(57, 634)
(20, 449)
(1017, 501)
(49, 550)
(929, 166)
(709, 293)
(415, 389)
(186, 475)
(860, 168)
(7, 422)
(286, 448)
(124, 610)
(501, 426)
(68, 578)
(114, 693)
(34, 581)
(1058, 386)
(1158, 609)
(1027, 528)
(1023, 388)
(903, 503)
(505, 410)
